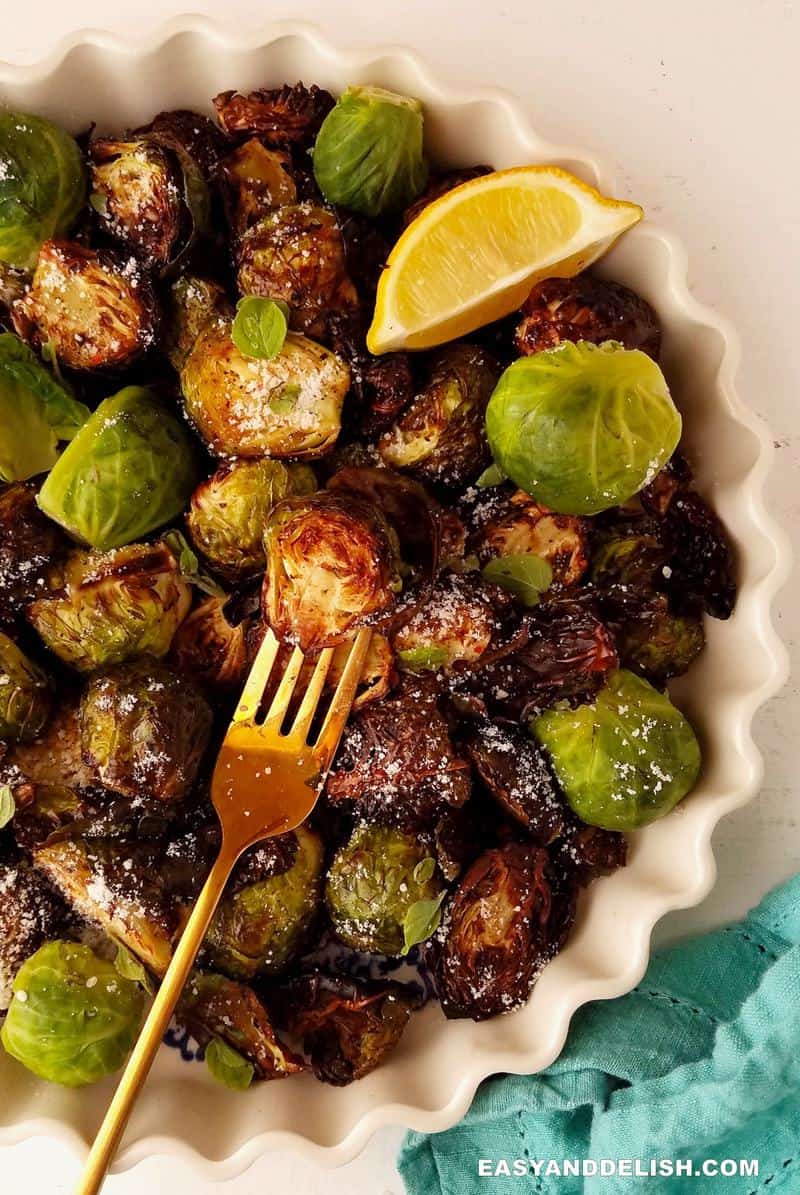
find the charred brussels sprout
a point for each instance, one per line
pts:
(586, 308)
(373, 881)
(284, 116)
(192, 303)
(515, 772)
(368, 155)
(254, 180)
(287, 406)
(627, 561)
(212, 648)
(701, 564)
(73, 1018)
(129, 470)
(105, 608)
(29, 545)
(228, 513)
(658, 643)
(25, 694)
(624, 760)
(582, 427)
(331, 566)
(456, 622)
(507, 525)
(29, 915)
(501, 926)
(36, 412)
(144, 730)
(95, 311)
(42, 185)
(347, 1027)
(441, 437)
(259, 928)
(137, 196)
(295, 253)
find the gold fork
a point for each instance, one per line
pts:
(265, 782)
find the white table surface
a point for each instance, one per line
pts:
(695, 103)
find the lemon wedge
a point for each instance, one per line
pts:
(473, 255)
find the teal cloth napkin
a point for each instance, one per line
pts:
(701, 1060)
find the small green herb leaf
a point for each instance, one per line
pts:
(422, 920)
(228, 1066)
(129, 967)
(8, 805)
(523, 574)
(260, 326)
(424, 870)
(189, 565)
(494, 475)
(420, 658)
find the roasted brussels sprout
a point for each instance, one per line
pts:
(586, 852)
(258, 929)
(286, 406)
(284, 116)
(191, 304)
(658, 643)
(104, 608)
(54, 758)
(441, 437)
(25, 694)
(627, 562)
(505, 525)
(94, 310)
(582, 427)
(673, 480)
(625, 759)
(118, 886)
(211, 648)
(295, 253)
(129, 470)
(457, 621)
(144, 730)
(701, 565)
(368, 154)
(439, 185)
(501, 926)
(73, 1017)
(373, 881)
(29, 544)
(42, 185)
(215, 1006)
(587, 308)
(29, 915)
(516, 773)
(397, 764)
(331, 566)
(254, 180)
(347, 1027)
(36, 412)
(228, 513)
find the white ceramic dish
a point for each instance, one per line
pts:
(430, 1081)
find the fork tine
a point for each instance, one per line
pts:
(283, 695)
(256, 683)
(308, 706)
(332, 727)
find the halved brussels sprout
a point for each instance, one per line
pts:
(587, 308)
(441, 437)
(258, 929)
(624, 760)
(283, 116)
(228, 513)
(368, 155)
(73, 1018)
(582, 427)
(701, 571)
(658, 643)
(42, 185)
(25, 694)
(211, 648)
(118, 886)
(331, 566)
(507, 525)
(29, 915)
(516, 773)
(456, 622)
(627, 562)
(54, 758)
(29, 544)
(136, 189)
(36, 412)
(253, 180)
(95, 311)
(295, 253)
(104, 608)
(373, 882)
(144, 730)
(285, 406)
(129, 470)
(191, 304)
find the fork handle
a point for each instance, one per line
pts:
(105, 1143)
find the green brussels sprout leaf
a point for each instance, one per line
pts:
(8, 805)
(228, 1066)
(521, 573)
(424, 870)
(624, 759)
(189, 564)
(582, 427)
(491, 476)
(129, 967)
(36, 412)
(422, 919)
(260, 326)
(418, 659)
(129, 470)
